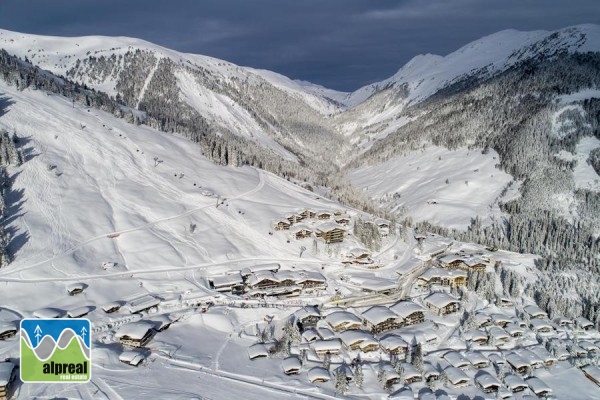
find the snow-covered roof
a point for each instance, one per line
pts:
(307, 311)
(475, 335)
(291, 364)
(381, 221)
(447, 259)
(341, 317)
(75, 286)
(514, 381)
(538, 386)
(456, 376)
(378, 314)
(498, 333)
(513, 328)
(47, 313)
(300, 227)
(354, 336)
(111, 305)
(404, 393)
(6, 370)
(261, 267)
(390, 373)
(583, 322)
(322, 212)
(496, 359)
(531, 357)
(440, 299)
(325, 333)
(161, 321)
(456, 359)
(476, 358)
(259, 276)
(318, 373)
(132, 357)
(136, 330)
(326, 345)
(310, 335)
(79, 311)
(329, 226)
(357, 252)
(435, 272)
(304, 276)
(588, 346)
(430, 370)
(516, 360)
(486, 380)
(143, 303)
(500, 318)
(542, 353)
(534, 311)
(375, 283)
(471, 261)
(392, 342)
(257, 350)
(537, 324)
(226, 280)
(406, 308)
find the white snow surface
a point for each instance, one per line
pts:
(420, 177)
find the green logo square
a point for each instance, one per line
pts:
(56, 350)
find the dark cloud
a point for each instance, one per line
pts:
(341, 44)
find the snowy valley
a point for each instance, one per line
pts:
(232, 233)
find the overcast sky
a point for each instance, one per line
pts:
(342, 44)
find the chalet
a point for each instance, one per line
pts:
(262, 280)
(143, 303)
(382, 223)
(369, 345)
(343, 320)
(47, 313)
(111, 307)
(330, 232)
(358, 256)
(389, 375)
(392, 344)
(258, 350)
(514, 330)
(281, 225)
(443, 277)
(533, 311)
(276, 291)
(534, 360)
(547, 358)
(430, 373)
(307, 316)
(563, 321)
(538, 387)
(576, 350)
(496, 359)
(352, 339)
(136, 334)
(477, 359)
(541, 326)
(294, 217)
(301, 231)
(592, 372)
(410, 374)
(452, 262)
(331, 346)
(376, 285)
(500, 320)
(162, 322)
(584, 323)
(325, 333)
(311, 279)
(310, 335)
(323, 215)
(273, 267)
(498, 335)
(318, 374)
(308, 213)
(504, 301)
(515, 383)
(7, 329)
(410, 312)
(291, 365)
(476, 336)
(518, 363)
(456, 377)
(342, 220)
(560, 352)
(487, 382)
(482, 320)
(381, 319)
(132, 357)
(442, 303)
(588, 346)
(474, 264)
(226, 283)
(76, 288)
(455, 359)
(8, 374)
(79, 312)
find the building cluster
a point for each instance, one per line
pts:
(268, 280)
(327, 225)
